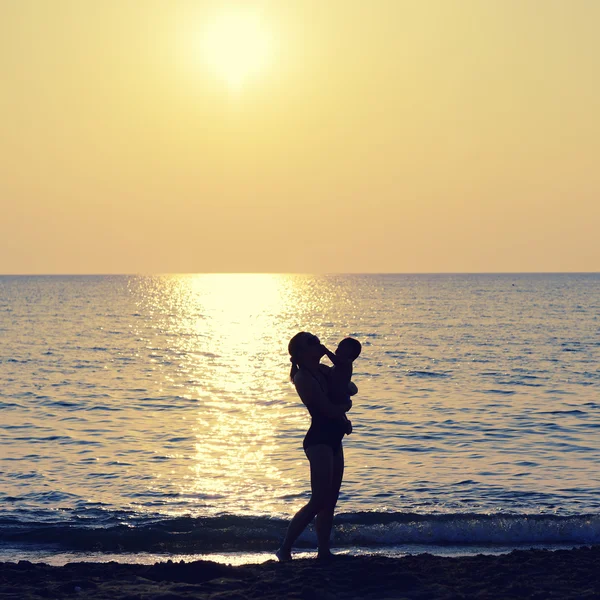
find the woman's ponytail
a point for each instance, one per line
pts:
(295, 348)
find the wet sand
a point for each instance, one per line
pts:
(535, 574)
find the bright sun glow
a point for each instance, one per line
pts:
(236, 47)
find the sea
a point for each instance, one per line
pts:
(149, 418)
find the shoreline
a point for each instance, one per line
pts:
(534, 574)
(58, 557)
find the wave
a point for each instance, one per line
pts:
(413, 373)
(246, 533)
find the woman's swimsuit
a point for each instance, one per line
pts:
(324, 430)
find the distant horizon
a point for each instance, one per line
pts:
(141, 274)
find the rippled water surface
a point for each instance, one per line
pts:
(169, 396)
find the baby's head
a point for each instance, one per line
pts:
(349, 349)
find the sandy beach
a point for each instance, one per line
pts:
(535, 574)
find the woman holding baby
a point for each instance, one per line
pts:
(323, 441)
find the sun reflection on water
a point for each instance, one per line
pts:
(229, 335)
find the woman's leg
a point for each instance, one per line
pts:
(324, 521)
(321, 470)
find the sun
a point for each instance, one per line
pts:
(236, 47)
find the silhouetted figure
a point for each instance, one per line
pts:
(322, 443)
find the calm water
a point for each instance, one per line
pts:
(162, 404)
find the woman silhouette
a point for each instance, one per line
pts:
(322, 444)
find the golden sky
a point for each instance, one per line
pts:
(309, 136)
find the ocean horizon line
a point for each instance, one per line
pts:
(305, 273)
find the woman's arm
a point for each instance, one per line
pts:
(310, 393)
(325, 369)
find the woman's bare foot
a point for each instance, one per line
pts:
(283, 555)
(325, 556)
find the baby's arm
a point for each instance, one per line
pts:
(330, 355)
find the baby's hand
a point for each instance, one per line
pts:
(348, 427)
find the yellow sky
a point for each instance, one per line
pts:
(383, 136)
